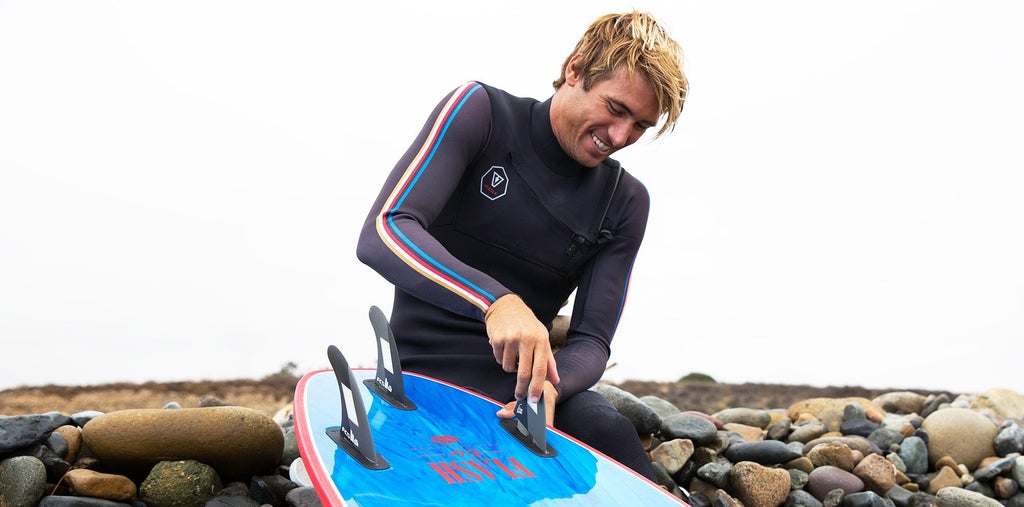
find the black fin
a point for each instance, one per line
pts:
(354, 433)
(388, 382)
(530, 427)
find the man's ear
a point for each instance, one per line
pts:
(572, 75)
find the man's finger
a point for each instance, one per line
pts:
(509, 359)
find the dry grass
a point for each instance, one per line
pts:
(267, 395)
(275, 391)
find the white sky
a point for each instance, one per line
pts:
(182, 184)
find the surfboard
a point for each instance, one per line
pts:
(385, 437)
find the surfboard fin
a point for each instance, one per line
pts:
(388, 382)
(530, 427)
(354, 433)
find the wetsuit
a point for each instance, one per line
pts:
(486, 203)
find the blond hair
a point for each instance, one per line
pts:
(637, 41)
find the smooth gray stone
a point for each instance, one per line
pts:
(22, 480)
(801, 498)
(20, 431)
(765, 452)
(686, 425)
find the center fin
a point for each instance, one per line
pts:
(388, 382)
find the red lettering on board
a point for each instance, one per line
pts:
(460, 472)
(447, 473)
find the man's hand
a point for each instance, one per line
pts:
(520, 344)
(550, 398)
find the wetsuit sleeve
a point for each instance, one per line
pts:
(600, 298)
(394, 239)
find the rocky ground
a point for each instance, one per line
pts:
(274, 391)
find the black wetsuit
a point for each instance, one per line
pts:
(486, 203)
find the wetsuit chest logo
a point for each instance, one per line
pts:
(494, 183)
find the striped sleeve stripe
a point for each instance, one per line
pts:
(398, 242)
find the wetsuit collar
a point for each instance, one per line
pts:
(545, 144)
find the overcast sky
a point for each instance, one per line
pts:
(182, 184)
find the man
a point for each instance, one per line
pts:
(503, 206)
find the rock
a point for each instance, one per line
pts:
(716, 472)
(689, 426)
(55, 466)
(914, 453)
(817, 406)
(962, 434)
(745, 416)
(801, 498)
(179, 483)
(859, 444)
(78, 501)
(72, 438)
(100, 485)
(946, 477)
(303, 497)
(1004, 487)
(673, 454)
(643, 417)
(878, 473)
(836, 454)
(885, 438)
(991, 469)
(901, 402)
(270, 489)
(864, 499)
(825, 479)
(80, 418)
(1008, 404)
(747, 433)
(231, 501)
(860, 427)
(1017, 472)
(779, 429)
(759, 486)
(56, 443)
(239, 442)
(805, 432)
(1009, 440)
(290, 452)
(959, 497)
(766, 452)
(660, 406)
(22, 481)
(20, 431)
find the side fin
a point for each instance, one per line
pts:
(530, 427)
(354, 433)
(388, 382)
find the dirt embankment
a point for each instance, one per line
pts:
(275, 391)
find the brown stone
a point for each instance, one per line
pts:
(816, 406)
(236, 441)
(944, 478)
(835, 454)
(759, 486)
(748, 433)
(73, 438)
(960, 433)
(100, 485)
(878, 473)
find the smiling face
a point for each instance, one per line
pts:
(592, 124)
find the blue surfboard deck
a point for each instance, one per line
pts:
(452, 451)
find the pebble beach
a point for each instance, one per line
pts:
(899, 449)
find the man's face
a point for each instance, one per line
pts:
(611, 115)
